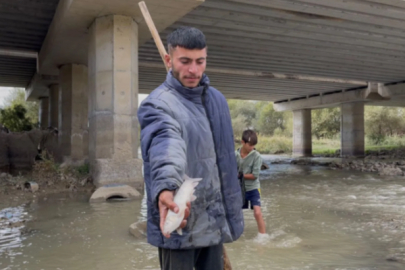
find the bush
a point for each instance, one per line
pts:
(83, 170)
(17, 113)
(45, 169)
(389, 142)
(15, 118)
(383, 122)
(271, 145)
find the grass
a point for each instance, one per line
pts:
(48, 168)
(83, 169)
(277, 144)
(325, 146)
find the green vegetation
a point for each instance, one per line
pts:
(18, 114)
(384, 127)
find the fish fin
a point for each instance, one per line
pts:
(193, 198)
(180, 231)
(187, 178)
(195, 184)
(194, 181)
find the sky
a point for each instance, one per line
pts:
(5, 91)
(141, 97)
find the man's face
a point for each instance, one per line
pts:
(187, 66)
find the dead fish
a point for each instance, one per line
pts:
(183, 195)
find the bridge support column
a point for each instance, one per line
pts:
(113, 101)
(352, 129)
(54, 105)
(302, 138)
(73, 111)
(44, 112)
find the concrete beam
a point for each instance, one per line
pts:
(54, 105)
(113, 102)
(19, 53)
(38, 87)
(375, 92)
(44, 112)
(269, 75)
(73, 109)
(352, 129)
(302, 138)
(333, 10)
(68, 35)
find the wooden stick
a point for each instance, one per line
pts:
(154, 32)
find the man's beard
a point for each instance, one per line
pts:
(177, 76)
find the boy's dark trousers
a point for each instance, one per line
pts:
(209, 258)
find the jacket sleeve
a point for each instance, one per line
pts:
(162, 146)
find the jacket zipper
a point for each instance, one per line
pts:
(216, 156)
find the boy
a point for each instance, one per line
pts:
(249, 164)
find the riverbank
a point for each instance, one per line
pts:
(385, 162)
(45, 178)
(324, 147)
(20, 190)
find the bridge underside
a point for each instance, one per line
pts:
(87, 61)
(352, 40)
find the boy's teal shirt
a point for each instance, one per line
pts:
(251, 164)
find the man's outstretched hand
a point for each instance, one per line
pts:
(166, 203)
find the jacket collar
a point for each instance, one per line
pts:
(188, 93)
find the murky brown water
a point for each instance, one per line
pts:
(316, 218)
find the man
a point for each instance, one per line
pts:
(186, 130)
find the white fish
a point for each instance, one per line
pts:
(183, 195)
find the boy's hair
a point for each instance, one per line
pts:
(186, 37)
(250, 137)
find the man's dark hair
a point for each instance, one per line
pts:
(186, 37)
(250, 137)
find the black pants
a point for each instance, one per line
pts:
(209, 258)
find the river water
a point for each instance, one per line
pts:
(317, 218)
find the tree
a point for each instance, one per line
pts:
(15, 119)
(239, 125)
(245, 108)
(18, 114)
(269, 120)
(326, 122)
(243, 115)
(382, 122)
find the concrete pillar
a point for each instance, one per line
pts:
(44, 112)
(352, 129)
(54, 105)
(302, 137)
(113, 101)
(73, 112)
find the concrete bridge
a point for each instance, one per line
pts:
(87, 60)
